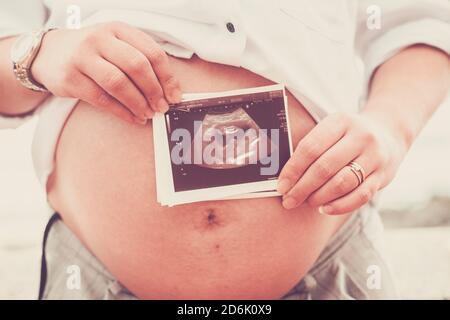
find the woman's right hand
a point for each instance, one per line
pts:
(112, 66)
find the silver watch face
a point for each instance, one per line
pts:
(22, 47)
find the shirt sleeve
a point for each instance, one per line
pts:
(17, 17)
(401, 23)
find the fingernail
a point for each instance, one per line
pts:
(162, 105)
(140, 121)
(290, 203)
(325, 210)
(283, 186)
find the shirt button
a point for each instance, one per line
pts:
(230, 27)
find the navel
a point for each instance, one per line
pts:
(212, 219)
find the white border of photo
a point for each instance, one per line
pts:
(166, 194)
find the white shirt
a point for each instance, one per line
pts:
(324, 51)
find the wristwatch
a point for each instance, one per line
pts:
(23, 53)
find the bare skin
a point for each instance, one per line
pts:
(104, 187)
(193, 251)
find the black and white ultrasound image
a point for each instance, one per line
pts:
(226, 115)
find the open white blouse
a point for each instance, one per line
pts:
(324, 51)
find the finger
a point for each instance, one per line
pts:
(117, 84)
(324, 135)
(89, 91)
(323, 169)
(157, 57)
(355, 199)
(137, 67)
(343, 182)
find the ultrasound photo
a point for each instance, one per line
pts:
(228, 141)
(223, 124)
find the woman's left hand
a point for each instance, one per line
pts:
(318, 171)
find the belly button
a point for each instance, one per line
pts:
(211, 217)
(212, 220)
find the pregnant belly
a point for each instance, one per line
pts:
(103, 186)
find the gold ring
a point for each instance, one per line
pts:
(358, 168)
(356, 174)
(358, 171)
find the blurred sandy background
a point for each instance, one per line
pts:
(415, 207)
